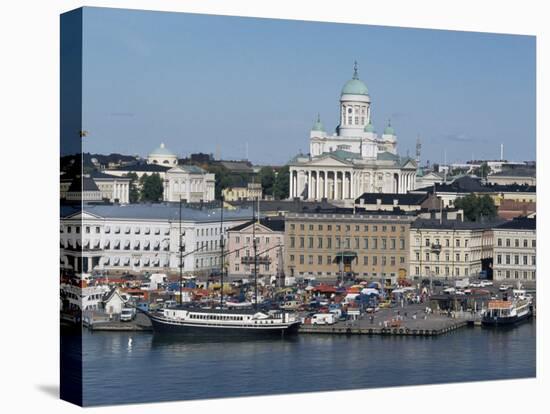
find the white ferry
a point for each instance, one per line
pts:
(240, 322)
(508, 312)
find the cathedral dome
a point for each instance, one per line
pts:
(355, 86)
(369, 127)
(318, 125)
(389, 129)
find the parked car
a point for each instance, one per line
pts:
(127, 314)
(323, 319)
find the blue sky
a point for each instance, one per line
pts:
(206, 83)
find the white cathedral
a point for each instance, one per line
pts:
(354, 160)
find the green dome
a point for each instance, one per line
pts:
(369, 127)
(318, 125)
(355, 86)
(389, 130)
(162, 151)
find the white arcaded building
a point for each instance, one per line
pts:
(143, 237)
(354, 160)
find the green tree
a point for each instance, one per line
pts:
(134, 191)
(151, 188)
(266, 176)
(222, 177)
(483, 171)
(280, 186)
(476, 207)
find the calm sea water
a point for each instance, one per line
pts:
(117, 370)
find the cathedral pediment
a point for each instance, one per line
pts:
(330, 160)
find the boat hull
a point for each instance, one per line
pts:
(506, 321)
(162, 326)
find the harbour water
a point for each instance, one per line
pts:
(128, 367)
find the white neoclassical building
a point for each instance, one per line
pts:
(143, 237)
(190, 183)
(354, 160)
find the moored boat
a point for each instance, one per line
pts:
(508, 312)
(226, 322)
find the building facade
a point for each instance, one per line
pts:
(515, 250)
(449, 248)
(269, 233)
(370, 245)
(250, 191)
(105, 186)
(188, 182)
(138, 238)
(354, 159)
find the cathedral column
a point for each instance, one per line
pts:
(291, 190)
(317, 185)
(353, 192)
(309, 186)
(325, 183)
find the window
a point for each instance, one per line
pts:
(393, 229)
(457, 243)
(417, 270)
(466, 257)
(375, 243)
(525, 243)
(320, 227)
(401, 259)
(365, 260)
(366, 243)
(447, 242)
(516, 259)
(320, 243)
(384, 228)
(310, 243)
(533, 243)
(466, 243)
(292, 242)
(302, 227)
(293, 227)
(310, 259)
(516, 242)
(533, 260)
(525, 260)
(507, 242)
(320, 260)
(384, 241)
(392, 244)
(292, 258)
(87, 229)
(507, 259)
(329, 259)
(418, 256)
(427, 243)
(447, 257)
(329, 242)
(392, 261)
(302, 259)
(374, 260)
(499, 259)
(383, 260)
(357, 242)
(499, 242)
(457, 257)
(401, 244)
(302, 242)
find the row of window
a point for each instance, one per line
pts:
(348, 227)
(247, 268)
(437, 271)
(217, 317)
(524, 259)
(358, 243)
(116, 230)
(517, 242)
(447, 256)
(117, 245)
(328, 260)
(372, 275)
(436, 242)
(516, 274)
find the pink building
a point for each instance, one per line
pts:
(269, 234)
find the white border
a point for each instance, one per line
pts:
(29, 136)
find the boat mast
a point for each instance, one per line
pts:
(221, 258)
(181, 256)
(255, 247)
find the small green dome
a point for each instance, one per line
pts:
(162, 151)
(369, 127)
(355, 86)
(318, 125)
(389, 130)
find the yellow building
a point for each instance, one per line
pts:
(335, 243)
